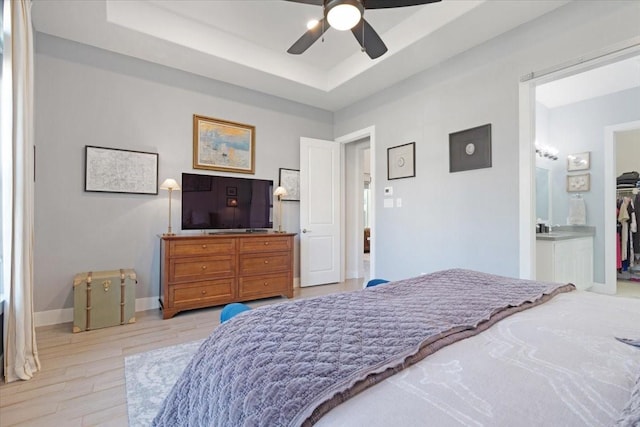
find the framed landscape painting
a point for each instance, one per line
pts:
(222, 145)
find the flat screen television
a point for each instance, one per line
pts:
(212, 202)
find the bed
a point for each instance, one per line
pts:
(455, 347)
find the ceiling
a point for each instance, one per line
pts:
(244, 42)
(604, 80)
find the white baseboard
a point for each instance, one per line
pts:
(601, 288)
(296, 282)
(54, 317)
(144, 304)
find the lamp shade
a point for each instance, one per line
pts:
(344, 14)
(170, 184)
(280, 191)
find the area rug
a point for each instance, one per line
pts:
(149, 377)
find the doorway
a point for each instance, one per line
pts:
(359, 203)
(323, 257)
(602, 189)
(622, 144)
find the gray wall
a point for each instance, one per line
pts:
(577, 128)
(466, 219)
(470, 219)
(86, 96)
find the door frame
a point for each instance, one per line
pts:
(527, 122)
(610, 285)
(368, 132)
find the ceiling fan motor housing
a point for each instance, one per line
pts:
(330, 5)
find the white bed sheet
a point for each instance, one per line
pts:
(557, 364)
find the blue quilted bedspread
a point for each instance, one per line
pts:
(287, 364)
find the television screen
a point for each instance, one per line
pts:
(224, 202)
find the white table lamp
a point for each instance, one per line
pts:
(169, 184)
(280, 193)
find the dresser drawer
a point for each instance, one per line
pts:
(197, 268)
(196, 247)
(268, 285)
(265, 244)
(203, 294)
(264, 263)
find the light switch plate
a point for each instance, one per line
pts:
(398, 202)
(388, 203)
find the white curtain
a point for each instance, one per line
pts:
(21, 354)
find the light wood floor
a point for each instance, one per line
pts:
(82, 378)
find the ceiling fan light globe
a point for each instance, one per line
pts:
(344, 15)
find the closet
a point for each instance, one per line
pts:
(628, 226)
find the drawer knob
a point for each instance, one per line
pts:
(266, 283)
(204, 246)
(266, 261)
(204, 267)
(204, 292)
(266, 243)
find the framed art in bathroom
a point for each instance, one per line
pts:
(579, 161)
(578, 183)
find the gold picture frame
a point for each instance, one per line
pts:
(222, 145)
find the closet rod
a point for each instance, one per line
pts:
(627, 190)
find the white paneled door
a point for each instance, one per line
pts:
(320, 189)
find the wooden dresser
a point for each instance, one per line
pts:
(214, 269)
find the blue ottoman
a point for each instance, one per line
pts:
(231, 310)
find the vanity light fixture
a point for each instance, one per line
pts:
(546, 152)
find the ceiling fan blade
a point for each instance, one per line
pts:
(308, 38)
(371, 43)
(385, 4)
(314, 2)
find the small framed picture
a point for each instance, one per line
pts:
(579, 161)
(578, 183)
(401, 162)
(290, 180)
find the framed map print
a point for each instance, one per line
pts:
(290, 180)
(113, 170)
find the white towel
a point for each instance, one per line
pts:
(577, 212)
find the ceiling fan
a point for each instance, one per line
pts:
(348, 15)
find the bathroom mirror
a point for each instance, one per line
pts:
(543, 194)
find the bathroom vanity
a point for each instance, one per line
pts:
(565, 255)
